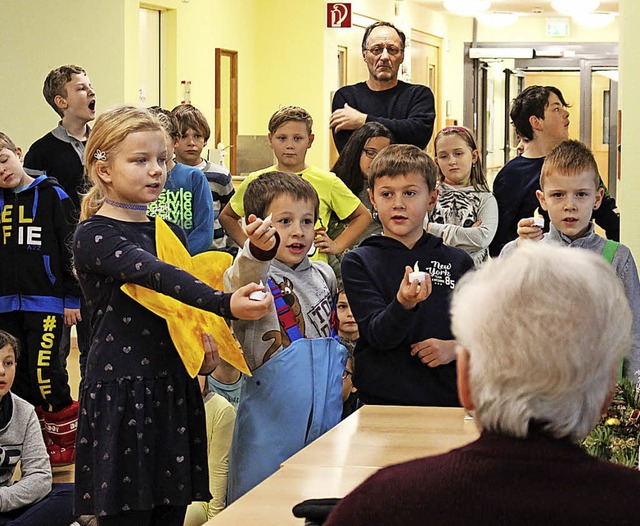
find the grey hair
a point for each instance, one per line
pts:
(545, 328)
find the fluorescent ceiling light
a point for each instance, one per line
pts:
(575, 7)
(497, 19)
(467, 7)
(594, 20)
(501, 52)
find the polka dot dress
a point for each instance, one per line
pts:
(141, 428)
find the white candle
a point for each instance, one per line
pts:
(417, 275)
(258, 295)
(538, 220)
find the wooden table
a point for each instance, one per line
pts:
(334, 464)
(377, 436)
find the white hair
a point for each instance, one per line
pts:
(545, 328)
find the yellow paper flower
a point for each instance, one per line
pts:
(187, 323)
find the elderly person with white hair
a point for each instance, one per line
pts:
(540, 337)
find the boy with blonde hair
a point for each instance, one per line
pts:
(193, 136)
(570, 192)
(290, 136)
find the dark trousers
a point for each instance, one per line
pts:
(158, 516)
(56, 509)
(83, 331)
(40, 378)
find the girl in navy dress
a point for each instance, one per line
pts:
(142, 448)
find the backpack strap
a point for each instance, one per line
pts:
(608, 252)
(285, 316)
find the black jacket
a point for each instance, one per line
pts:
(37, 227)
(385, 372)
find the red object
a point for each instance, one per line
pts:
(339, 14)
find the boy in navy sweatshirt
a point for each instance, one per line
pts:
(38, 292)
(406, 352)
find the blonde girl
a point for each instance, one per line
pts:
(142, 447)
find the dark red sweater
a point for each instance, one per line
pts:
(497, 480)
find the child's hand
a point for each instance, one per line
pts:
(434, 352)
(211, 357)
(325, 244)
(412, 293)
(526, 230)
(261, 232)
(244, 308)
(72, 316)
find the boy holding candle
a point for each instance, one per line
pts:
(406, 351)
(294, 393)
(570, 193)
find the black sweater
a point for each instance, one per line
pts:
(37, 226)
(385, 371)
(58, 159)
(408, 110)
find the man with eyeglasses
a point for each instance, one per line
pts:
(408, 110)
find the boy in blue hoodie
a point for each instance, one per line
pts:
(38, 292)
(406, 352)
(185, 199)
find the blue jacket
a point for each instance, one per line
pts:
(186, 201)
(291, 400)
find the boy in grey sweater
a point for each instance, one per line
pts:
(294, 393)
(570, 191)
(32, 499)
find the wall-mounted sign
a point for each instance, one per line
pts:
(557, 27)
(339, 14)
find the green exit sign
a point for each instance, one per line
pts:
(557, 27)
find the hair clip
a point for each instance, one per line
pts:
(100, 155)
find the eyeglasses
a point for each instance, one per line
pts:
(392, 50)
(346, 374)
(370, 152)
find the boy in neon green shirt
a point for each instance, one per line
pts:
(290, 137)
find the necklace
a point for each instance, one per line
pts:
(126, 206)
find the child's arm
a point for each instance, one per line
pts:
(221, 419)
(434, 352)
(253, 260)
(358, 222)
(35, 482)
(383, 323)
(201, 237)
(101, 249)
(64, 224)
(474, 238)
(230, 221)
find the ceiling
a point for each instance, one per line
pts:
(529, 7)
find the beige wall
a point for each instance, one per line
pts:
(40, 35)
(629, 184)
(286, 55)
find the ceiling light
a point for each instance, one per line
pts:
(497, 19)
(467, 7)
(575, 7)
(594, 20)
